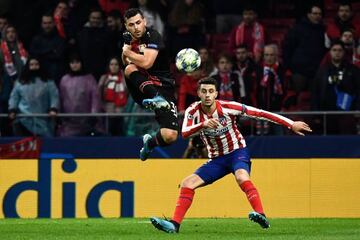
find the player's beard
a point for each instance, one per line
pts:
(138, 35)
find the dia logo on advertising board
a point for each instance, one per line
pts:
(68, 202)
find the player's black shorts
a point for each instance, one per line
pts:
(166, 119)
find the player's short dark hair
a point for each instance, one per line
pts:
(132, 12)
(208, 80)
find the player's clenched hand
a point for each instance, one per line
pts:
(298, 127)
(211, 123)
(127, 38)
(126, 49)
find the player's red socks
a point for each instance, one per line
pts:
(183, 203)
(252, 195)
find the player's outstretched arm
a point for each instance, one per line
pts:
(299, 127)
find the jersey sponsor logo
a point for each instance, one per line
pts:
(142, 48)
(216, 132)
(152, 45)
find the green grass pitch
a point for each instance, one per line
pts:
(135, 228)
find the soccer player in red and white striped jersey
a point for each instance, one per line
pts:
(215, 121)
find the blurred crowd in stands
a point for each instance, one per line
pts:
(63, 57)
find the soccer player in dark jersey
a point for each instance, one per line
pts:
(148, 78)
(215, 121)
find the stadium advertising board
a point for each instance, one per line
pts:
(63, 187)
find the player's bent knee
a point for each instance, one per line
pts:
(129, 69)
(193, 181)
(186, 183)
(170, 136)
(241, 176)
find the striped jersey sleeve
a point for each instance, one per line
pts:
(248, 111)
(191, 124)
(226, 137)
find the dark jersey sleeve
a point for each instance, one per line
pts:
(160, 68)
(154, 40)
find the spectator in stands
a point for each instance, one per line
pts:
(188, 89)
(114, 21)
(113, 94)
(151, 14)
(13, 57)
(94, 44)
(347, 37)
(269, 86)
(79, 94)
(304, 48)
(33, 93)
(231, 86)
(344, 20)
(3, 23)
(207, 64)
(186, 25)
(114, 25)
(356, 59)
(49, 48)
(337, 87)
(245, 67)
(82, 8)
(13, 54)
(26, 15)
(61, 14)
(227, 15)
(78, 15)
(249, 32)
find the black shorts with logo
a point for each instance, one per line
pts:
(166, 119)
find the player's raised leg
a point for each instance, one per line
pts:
(152, 99)
(157, 102)
(164, 137)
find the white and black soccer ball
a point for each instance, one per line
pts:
(187, 60)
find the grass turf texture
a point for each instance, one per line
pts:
(191, 229)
